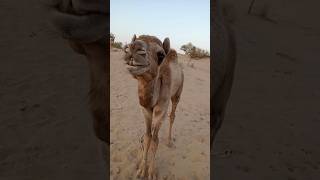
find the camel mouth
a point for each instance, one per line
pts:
(136, 69)
(82, 26)
(72, 12)
(132, 63)
(77, 15)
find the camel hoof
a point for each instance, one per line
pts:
(142, 170)
(170, 144)
(141, 173)
(153, 175)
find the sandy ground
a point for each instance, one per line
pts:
(189, 159)
(273, 120)
(272, 125)
(45, 127)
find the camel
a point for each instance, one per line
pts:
(224, 60)
(160, 78)
(84, 24)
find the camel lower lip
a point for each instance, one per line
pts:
(135, 66)
(88, 27)
(79, 15)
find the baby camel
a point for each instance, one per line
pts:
(160, 78)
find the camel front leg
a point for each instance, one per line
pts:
(159, 114)
(172, 117)
(142, 169)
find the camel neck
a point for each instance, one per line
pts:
(97, 59)
(148, 90)
(98, 94)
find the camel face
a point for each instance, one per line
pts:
(136, 57)
(80, 20)
(142, 55)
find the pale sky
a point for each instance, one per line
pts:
(182, 21)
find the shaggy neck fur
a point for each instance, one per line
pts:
(96, 54)
(148, 88)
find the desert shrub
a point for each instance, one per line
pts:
(112, 37)
(115, 44)
(194, 52)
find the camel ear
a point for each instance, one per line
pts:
(134, 38)
(166, 45)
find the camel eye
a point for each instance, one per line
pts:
(127, 50)
(161, 56)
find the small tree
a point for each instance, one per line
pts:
(112, 37)
(194, 52)
(113, 43)
(187, 48)
(117, 45)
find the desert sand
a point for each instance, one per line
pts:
(272, 125)
(46, 130)
(189, 158)
(273, 119)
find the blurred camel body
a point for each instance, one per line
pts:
(83, 24)
(86, 33)
(160, 79)
(224, 59)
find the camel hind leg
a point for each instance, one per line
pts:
(174, 100)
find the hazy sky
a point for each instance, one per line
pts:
(182, 21)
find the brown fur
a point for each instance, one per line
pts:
(150, 39)
(160, 81)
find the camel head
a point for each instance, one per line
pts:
(145, 54)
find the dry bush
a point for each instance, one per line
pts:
(194, 52)
(113, 43)
(117, 45)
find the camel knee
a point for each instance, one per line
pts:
(155, 138)
(147, 137)
(145, 141)
(155, 142)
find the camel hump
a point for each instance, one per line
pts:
(172, 55)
